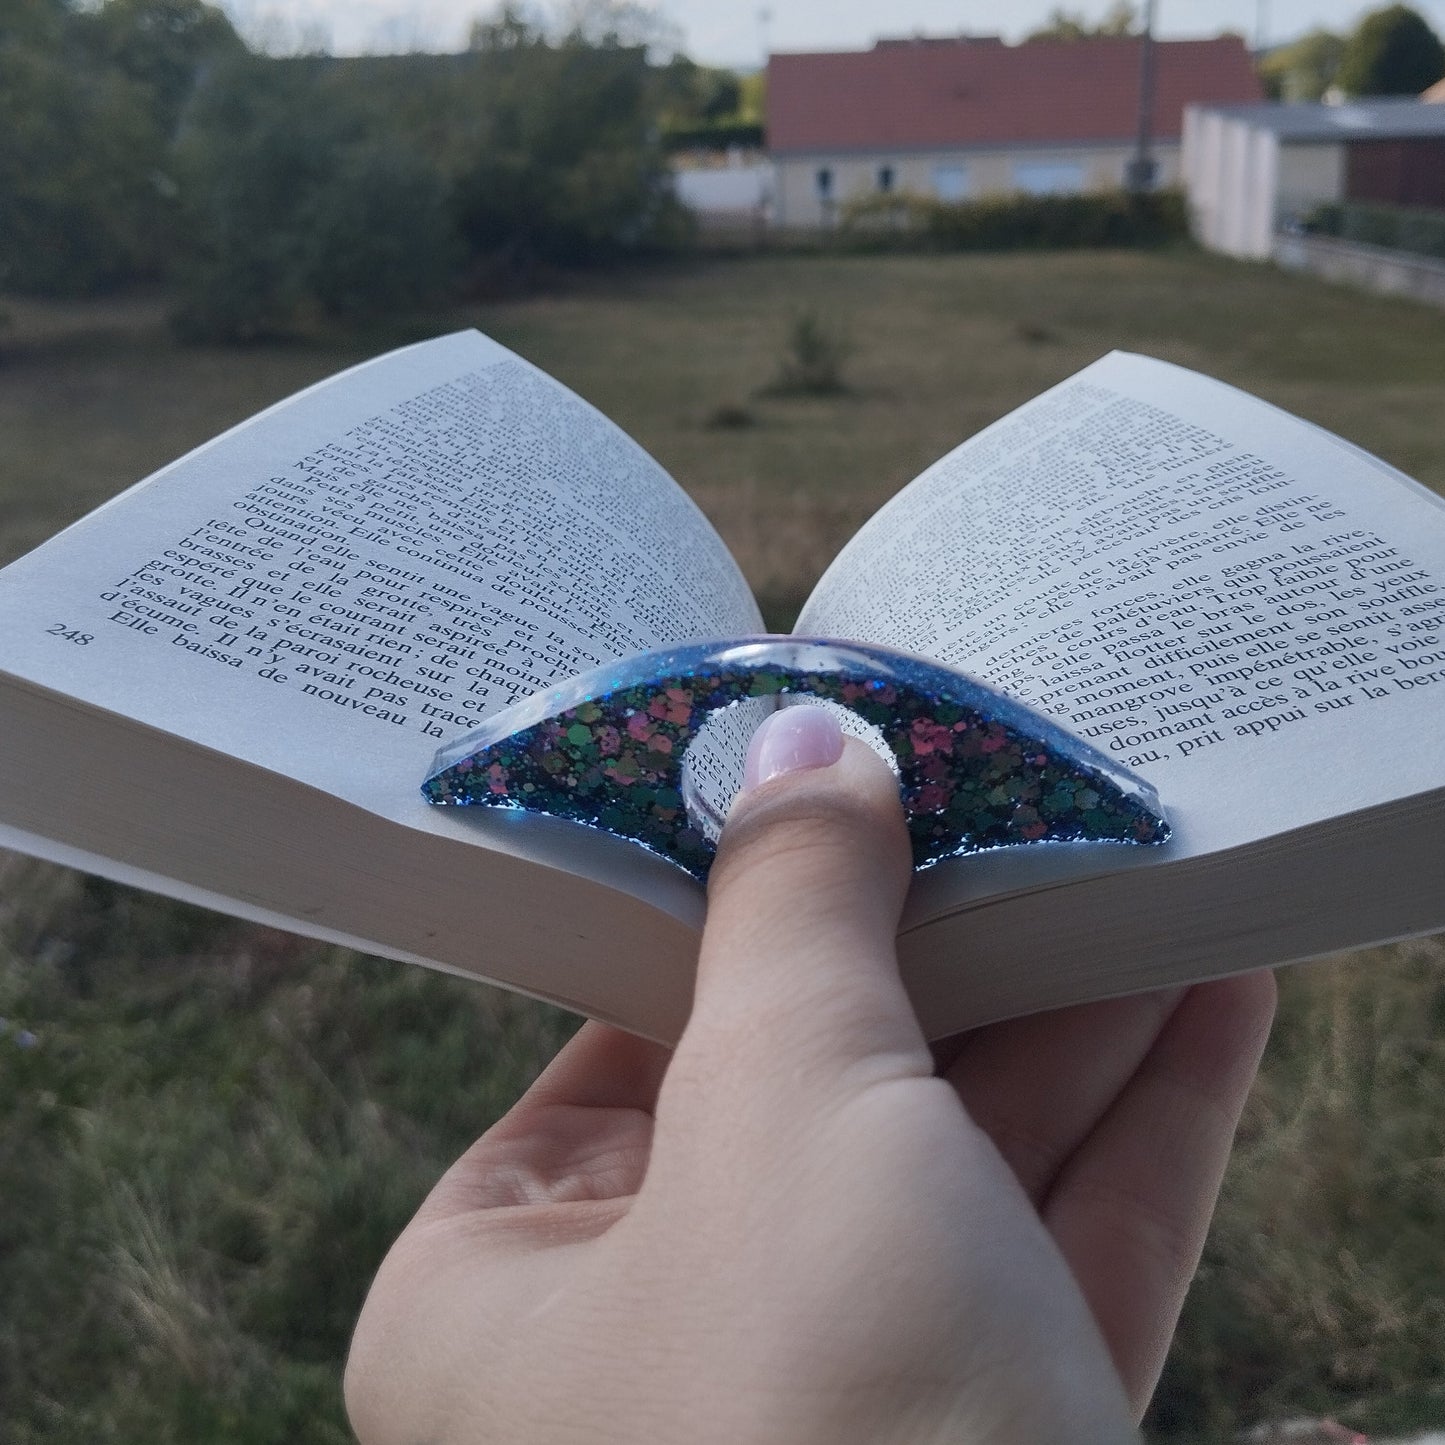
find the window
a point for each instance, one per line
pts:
(950, 183)
(824, 182)
(1049, 178)
(885, 178)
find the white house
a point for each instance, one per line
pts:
(1251, 169)
(735, 193)
(968, 116)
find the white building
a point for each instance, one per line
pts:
(964, 117)
(1251, 169)
(731, 195)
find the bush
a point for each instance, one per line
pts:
(1015, 222)
(380, 233)
(714, 136)
(295, 210)
(812, 363)
(89, 101)
(139, 138)
(79, 205)
(1398, 228)
(566, 168)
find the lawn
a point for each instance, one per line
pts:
(208, 1133)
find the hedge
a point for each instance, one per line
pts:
(1015, 222)
(1398, 228)
(714, 136)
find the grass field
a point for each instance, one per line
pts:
(208, 1134)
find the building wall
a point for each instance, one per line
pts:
(1255, 234)
(1202, 165)
(1309, 175)
(1232, 176)
(1399, 172)
(1243, 184)
(1392, 273)
(800, 202)
(730, 191)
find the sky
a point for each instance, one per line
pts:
(719, 33)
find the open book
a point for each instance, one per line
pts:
(228, 683)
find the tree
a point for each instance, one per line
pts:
(162, 45)
(79, 153)
(1392, 52)
(753, 96)
(379, 238)
(1122, 19)
(1304, 70)
(620, 24)
(90, 97)
(298, 204)
(598, 24)
(566, 166)
(33, 22)
(509, 28)
(691, 95)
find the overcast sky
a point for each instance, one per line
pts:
(721, 33)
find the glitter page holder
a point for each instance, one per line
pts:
(977, 769)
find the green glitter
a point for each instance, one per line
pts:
(977, 770)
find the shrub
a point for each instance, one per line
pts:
(729, 416)
(565, 168)
(79, 206)
(718, 135)
(813, 358)
(90, 96)
(1015, 222)
(379, 233)
(295, 208)
(1398, 228)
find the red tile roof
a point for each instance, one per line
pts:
(937, 94)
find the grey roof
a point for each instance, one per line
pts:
(1381, 119)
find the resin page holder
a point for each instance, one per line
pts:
(609, 749)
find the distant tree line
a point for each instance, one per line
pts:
(143, 139)
(1390, 52)
(1121, 18)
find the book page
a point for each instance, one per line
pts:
(364, 572)
(1239, 607)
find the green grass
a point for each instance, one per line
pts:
(93, 398)
(218, 1129)
(205, 1153)
(1323, 1287)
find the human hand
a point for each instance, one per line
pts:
(792, 1229)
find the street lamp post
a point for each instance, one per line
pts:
(1143, 170)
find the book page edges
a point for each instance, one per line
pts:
(205, 827)
(1355, 881)
(350, 877)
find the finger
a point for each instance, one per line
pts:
(1131, 1209)
(798, 976)
(1038, 1085)
(582, 1132)
(600, 1067)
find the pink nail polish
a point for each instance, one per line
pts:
(791, 739)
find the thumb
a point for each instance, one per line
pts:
(798, 972)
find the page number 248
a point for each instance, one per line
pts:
(60, 629)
